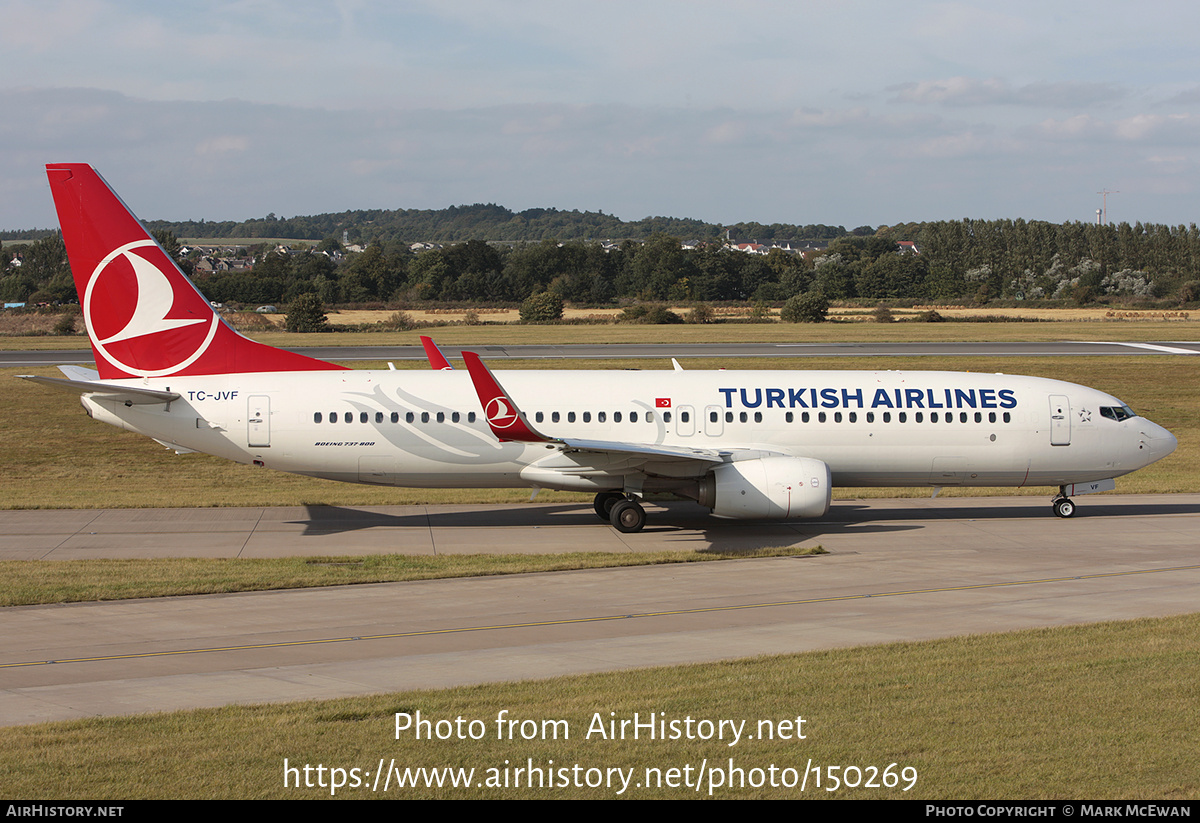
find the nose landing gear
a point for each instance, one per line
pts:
(1064, 507)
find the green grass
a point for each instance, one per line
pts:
(55, 457)
(1106, 711)
(28, 583)
(516, 334)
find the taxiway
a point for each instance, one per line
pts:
(897, 570)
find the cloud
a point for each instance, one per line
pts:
(968, 91)
(223, 144)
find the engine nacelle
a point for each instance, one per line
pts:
(769, 488)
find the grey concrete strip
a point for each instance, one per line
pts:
(556, 527)
(899, 570)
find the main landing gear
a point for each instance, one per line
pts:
(626, 515)
(1063, 506)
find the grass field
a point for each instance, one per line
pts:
(1090, 324)
(1096, 712)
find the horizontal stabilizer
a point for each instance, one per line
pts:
(106, 391)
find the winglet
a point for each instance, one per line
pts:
(506, 420)
(437, 360)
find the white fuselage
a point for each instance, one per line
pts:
(426, 428)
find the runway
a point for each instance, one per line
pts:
(897, 570)
(664, 351)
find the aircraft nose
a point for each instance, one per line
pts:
(1158, 440)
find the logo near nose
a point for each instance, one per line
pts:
(121, 342)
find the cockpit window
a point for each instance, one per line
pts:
(1117, 413)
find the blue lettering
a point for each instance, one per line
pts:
(796, 398)
(914, 398)
(856, 397)
(774, 398)
(829, 398)
(1008, 399)
(728, 397)
(757, 399)
(932, 404)
(882, 399)
(987, 398)
(962, 398)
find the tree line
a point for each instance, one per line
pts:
(962, 260)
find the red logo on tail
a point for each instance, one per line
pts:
(178, 341)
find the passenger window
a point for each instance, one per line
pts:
(666, 417)
(758, 417)
(919, 417)
(804, 418)
(684, 417)
(395, 417)
(789, 417)
(454, 418)
(870, 417)
(728, 417)
(820, 417)
(441, 417)
(349, 417)
(713, 416)
(962, 417)
(587, 417)
(853, 417)
(553, 417)
(570, 417)
(742, 417)
(902, 417)
(408, 418)
(538, 417)
(378, 417)
(633, 417)
(616, 417)
(887, 417)
(470, 417)
(601, 417)
(424, 417)
(316, 417)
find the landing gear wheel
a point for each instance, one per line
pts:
(627, 516)
(1064, 507)
(604, 503)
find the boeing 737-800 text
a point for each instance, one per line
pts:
(745, 444)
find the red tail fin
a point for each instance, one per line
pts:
(143, 315)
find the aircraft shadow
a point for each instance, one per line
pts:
(684, 525)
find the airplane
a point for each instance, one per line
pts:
(744, 444)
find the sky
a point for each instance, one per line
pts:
(849, 113)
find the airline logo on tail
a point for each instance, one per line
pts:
(155, 300)
(144, 317)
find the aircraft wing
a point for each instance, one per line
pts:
(510, 425)
(657, 451)
(86, 381)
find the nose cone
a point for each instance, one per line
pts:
(1158, 441)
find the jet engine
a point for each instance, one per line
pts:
(768, 487)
